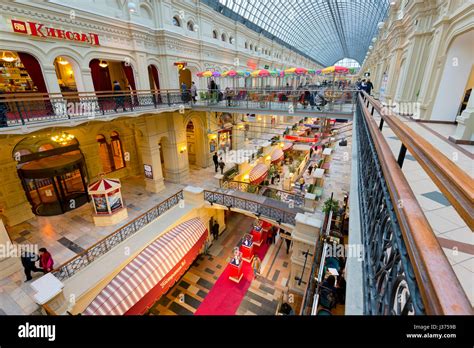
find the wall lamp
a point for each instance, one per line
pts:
(182, 149)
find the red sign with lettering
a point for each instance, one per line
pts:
(39, 30)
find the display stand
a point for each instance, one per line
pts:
(235, 270)
(257, 234)
(246, 248)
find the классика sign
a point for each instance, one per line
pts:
(42, 31)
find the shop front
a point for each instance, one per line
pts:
(53, 173)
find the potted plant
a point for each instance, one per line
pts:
(330, 204)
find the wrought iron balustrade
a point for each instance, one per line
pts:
(32, 108)
(259, 209)
(85, 258)
(405, 268)
(293, 199)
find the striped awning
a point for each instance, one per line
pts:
(287, 146)
(104, 185)
(258, 173)
(277, 155)
(152, 272)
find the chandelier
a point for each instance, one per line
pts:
(63, 138)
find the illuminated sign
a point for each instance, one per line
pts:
(40, 30)
(180, 65)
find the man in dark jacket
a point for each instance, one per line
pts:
(215, 232)
(215, 159)
(28, 261)
(120, 100)
(368, 86)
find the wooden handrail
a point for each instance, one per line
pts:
(440, 290)
(455, 184)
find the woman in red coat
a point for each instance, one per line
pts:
(46, 261)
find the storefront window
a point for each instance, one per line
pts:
(20, 72)
(111, 155)
(65, 75)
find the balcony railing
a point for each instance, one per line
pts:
(405, 268)
(292, 199)
(283, 100)
(85, 258)
(20, 109)
(32, 108)
(258, 209)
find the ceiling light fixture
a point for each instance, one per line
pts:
(8, 58)
(103, 64)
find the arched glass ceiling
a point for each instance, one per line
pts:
(348, 63)
(325, 30)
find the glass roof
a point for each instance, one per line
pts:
(325, 30)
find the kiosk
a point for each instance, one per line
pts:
(107, 202)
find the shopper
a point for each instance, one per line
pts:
(270, 234)
(119, 101)
(310, 169)
(215, 159)
(28, 260)
(288, 245)
(184, 92)
(301, 183)
(311, 151)
(193, 92)
(368, 86)
(221, 165)
(256, 263)
(46, 260)
(215, 231)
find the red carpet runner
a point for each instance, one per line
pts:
(225, 296)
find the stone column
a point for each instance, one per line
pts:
(8, 264)
(51, 79)
(305, 235)
(177, 165)
(151, 156)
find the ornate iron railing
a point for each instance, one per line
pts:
(85, 258)
(292, 199)
(286, 100)
(259, 209)
(32, 108)
(405, 269)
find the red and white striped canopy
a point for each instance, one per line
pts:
(160, 264)
(277, 155)
(258, 173)
(104, 185)
(287, 146)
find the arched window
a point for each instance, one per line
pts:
(251, 47)
(231, 40)
(214, 34)
(256, 48)
(246, 44)
(111, 155)
(223, 37)
(176, 21)
(190, 26)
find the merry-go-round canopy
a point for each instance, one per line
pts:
(258, 174)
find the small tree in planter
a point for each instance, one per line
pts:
(330, 204)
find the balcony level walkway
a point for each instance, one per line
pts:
(455, 237)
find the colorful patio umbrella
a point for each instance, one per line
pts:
(206, 73)
(335, 69)
(216, 74)
(295, 71)
(260, 73)
(229, 73)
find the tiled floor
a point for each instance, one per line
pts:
(263, 294)
(455, 237)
